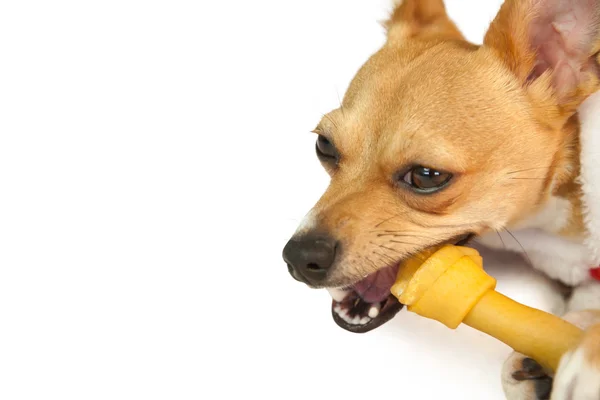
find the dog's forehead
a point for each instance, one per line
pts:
(443, 93)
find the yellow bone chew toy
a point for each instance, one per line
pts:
(449, 285)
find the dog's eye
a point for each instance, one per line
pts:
(325, 149)
(426, 180)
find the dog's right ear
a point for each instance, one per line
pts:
(551, 46)
(420, 19)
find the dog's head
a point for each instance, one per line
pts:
(438, 139)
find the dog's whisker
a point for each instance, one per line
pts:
(381, 261)
(401, 242)
(389, 219)
(403, 231)
(367, 259)
(412, 231)
(335, 125)
(530, 178)
(501, 239)
(406, 236)
(520, 245)
(385, 256)
(391, 249)
(388, 248)
(449, 226)
(340, 101)
(525, 170)
(394, 231)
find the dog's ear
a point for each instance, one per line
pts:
(551, 46)
(422, 19)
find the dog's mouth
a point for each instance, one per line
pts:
(368, 303)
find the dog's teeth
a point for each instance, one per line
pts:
(337, 294)
(374, 311)
(343, 313)
(347, 318)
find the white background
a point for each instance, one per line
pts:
(154, 160)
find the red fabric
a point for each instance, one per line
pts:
(595, 273)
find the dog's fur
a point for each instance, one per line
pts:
(516, 122)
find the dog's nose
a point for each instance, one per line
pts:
(310, 257)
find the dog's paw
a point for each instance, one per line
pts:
(578, 375)
(524, 379)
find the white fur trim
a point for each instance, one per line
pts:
(558, 257)
(585, 297)
(589, 114)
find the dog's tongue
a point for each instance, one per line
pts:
(376, 287)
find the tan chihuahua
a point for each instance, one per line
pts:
(439, 140)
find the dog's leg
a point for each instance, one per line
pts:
(579, 372)
(578, 375)
(524, 379)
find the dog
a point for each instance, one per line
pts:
(438, 140)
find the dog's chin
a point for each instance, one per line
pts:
(368, 303)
